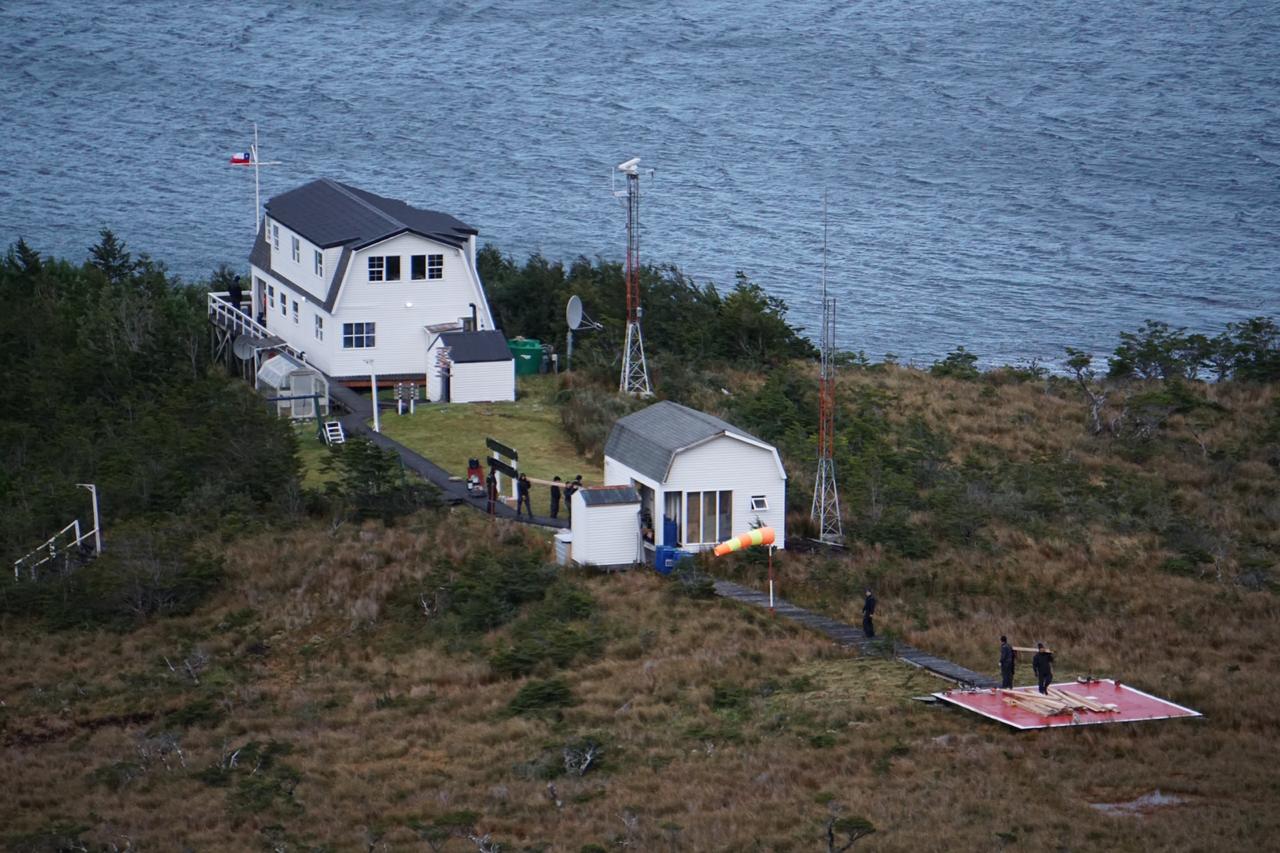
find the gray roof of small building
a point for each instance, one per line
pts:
(609, 495)
(329, 213)
(469, 347)
(648, 440)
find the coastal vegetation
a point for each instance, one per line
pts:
(266, 661)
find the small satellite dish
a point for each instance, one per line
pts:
(243, 347)
(573, 312)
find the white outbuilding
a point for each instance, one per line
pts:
(700, 478)
(470, 367)
(606, 527)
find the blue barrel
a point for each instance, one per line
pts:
(665, 558)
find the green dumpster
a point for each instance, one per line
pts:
(528, 355)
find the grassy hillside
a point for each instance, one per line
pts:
(395, 689)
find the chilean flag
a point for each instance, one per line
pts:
(242, 158)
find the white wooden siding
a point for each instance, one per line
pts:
(401, 309)
(483, 381)
(605, 535)
(303, 272)
(726, 463)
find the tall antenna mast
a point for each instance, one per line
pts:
(251, 158)
(826, 497)
(635, 370)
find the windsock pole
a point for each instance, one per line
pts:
(772, 612)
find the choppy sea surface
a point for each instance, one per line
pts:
(1011, 176)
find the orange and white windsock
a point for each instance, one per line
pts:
(759, 536)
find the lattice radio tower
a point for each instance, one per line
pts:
(826, 497)
(635, 370)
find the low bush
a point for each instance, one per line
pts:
(541, 697)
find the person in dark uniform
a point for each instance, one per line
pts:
(1042, 666)
(555, 498)
(868, 611)
(1008, 659)
(235, 293)
(522, 495)
(491, 489)
(568, 495)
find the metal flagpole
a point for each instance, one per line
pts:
(257, 187)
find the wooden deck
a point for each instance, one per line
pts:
(851, 637)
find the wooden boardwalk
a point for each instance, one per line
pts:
(851, 637)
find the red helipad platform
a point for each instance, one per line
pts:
(1132, 705)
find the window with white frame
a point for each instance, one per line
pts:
(417, 267)
(319, 263)
(384, 268)
(358, 335)
(295, 312)
(275, 236)
(759, 503)
(271, 296)
(297, 250)
(435, 266)
(708, 517)
(319, 328)
(284, 305)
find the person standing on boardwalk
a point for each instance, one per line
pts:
(568, 495)
(555, 497)
(491, 489)
(869, 611)
(1042, 666)
(522, 495)
(1008, 659)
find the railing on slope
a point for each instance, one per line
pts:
(51, 550)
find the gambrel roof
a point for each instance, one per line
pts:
(329, 213)
(647, 441)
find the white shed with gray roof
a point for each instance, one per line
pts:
(606, 527)
(700, 479)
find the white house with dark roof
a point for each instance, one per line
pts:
(344, 276)
(700, 479)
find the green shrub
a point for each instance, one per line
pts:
(541, 697)
(958, 364)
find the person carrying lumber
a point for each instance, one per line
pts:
(1008, 659)
(1042, 666)
(868, 611)
(491, 489)
(573, 486)
(522, 495)
(555, 497)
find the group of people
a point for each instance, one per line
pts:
(523, 488)
(1041, 663)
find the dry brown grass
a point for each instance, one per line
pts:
(301, 650)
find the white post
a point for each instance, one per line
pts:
(373, 386)
(97, 525)
(257, 191)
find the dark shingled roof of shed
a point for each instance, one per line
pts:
(469, 347)
(647, 440)
(609, 495)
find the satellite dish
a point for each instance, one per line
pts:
(573, 312)
(243, 347)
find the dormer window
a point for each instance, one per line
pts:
(319, 263)
(297, 250)
(275, 236)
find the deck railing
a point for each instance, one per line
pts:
(225, 315)
(57, 545)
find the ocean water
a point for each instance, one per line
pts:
(1011, 176)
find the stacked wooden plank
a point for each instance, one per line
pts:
(1056, 701)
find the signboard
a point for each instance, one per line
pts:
(501, 449)
(499, 465)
